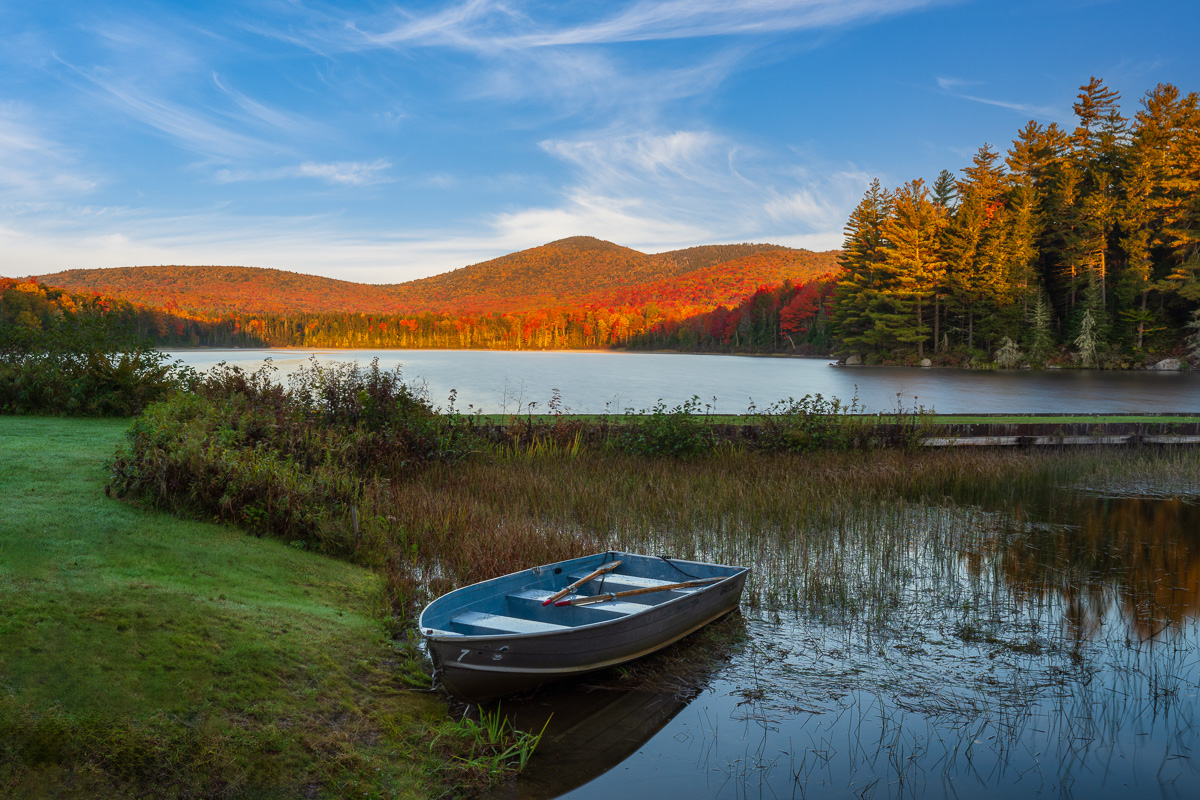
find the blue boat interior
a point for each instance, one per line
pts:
(514, 604)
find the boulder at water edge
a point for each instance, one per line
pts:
(1168, 364)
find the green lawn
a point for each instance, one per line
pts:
(140, 652)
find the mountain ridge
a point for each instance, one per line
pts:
(578, 271)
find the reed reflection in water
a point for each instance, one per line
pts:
(1020, 637)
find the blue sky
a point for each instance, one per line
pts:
(381, 142)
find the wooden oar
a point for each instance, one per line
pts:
(580, 582)
(600, 598)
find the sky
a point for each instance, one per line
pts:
(383, 142)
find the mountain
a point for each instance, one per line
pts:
(226, 290)
(577, 272)
(552, 274)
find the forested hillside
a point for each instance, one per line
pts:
(560, 273)
(215, 290)
(605, 295)
(577, 272)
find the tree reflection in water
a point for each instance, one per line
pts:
(1134, 556)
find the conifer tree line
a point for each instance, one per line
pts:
(1078, 246)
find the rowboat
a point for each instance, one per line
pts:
(515, 632)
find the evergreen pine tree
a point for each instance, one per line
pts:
(1136, 219)
(945, 191)
(864, 272)
(1009, 355)
(1097, 146)
(1193, 339)
(1041, 338)
(1086, 341)
(974, 242)
(914, 232)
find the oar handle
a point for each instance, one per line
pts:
(580, 582)
(601, 598)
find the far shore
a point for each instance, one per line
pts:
(834, 360)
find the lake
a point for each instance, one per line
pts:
(1050, 650)
(612, 382)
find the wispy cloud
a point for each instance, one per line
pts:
(492, 25)
(354, 173)
(189, 128)
(953, 84)
(595, 83)
(529, 50)
(818, 205)
(177, 97)
(346, 173)
(657, 190)
(264, 116)
(954, 87)
(33, 167)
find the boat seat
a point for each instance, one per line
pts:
(533, 598)
(615, 582)
(474, 622)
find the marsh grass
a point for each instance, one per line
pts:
(497, 749)
(961, 595)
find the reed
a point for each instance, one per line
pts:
(830, 534)
(497, 749)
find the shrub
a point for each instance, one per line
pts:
(82, 366)
(290, 462)
(680, 432)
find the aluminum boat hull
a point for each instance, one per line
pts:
(496, 638)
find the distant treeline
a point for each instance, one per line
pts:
(1079, 246)
(76, 355)
(779, 314)
(790, 318)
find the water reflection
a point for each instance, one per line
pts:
(1054, 653)
(596, 722)
(592, 729)
(1137, 557)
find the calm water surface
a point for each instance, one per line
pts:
(1056, 657)
(600, 382)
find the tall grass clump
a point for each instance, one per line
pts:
(496, 749)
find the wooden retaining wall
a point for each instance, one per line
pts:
(1058, 434)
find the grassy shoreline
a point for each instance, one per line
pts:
(140, 652)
